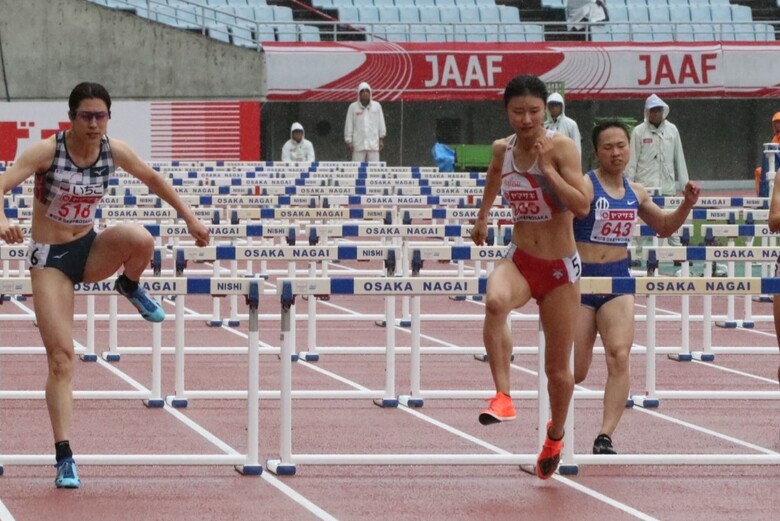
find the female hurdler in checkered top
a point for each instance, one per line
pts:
(602, 241)
(539, 175)
(71, 172)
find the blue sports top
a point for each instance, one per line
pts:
(610, 220)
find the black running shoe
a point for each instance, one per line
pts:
(603, 445)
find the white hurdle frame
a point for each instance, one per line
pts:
(247, 464)
(416, 286)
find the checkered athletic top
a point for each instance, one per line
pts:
(63, 173)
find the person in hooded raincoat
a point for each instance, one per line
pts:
(657, 158)
(559, 122)
(297, 148)
(364, 128)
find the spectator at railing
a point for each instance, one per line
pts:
(580, 12)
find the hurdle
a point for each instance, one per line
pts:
(247, 464)
(287, 462)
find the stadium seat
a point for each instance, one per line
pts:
(349, 14)
(423, 3)
(741, 13)
(282, 13)
(430, 15)
(389, 14)
(512, 33)
(638, 13)
(444, 3)
(700, 13)
(601, 33)
(286, 32)
(408, 14)
(219, 32)
(658, 14)
(368, 14)
(308, 33)
(703, 32)
(620, 32)
(679, 13)
(261, 13)
(469, 13)
(663, 32)
(509, 14)
(618, 13)
(684, 33)
(418, 33)
(470, 33)
(534, 32)
(650, 3)
(720, 13)
(488, 14)
(449, 15)
(642, 33)
(396, 33)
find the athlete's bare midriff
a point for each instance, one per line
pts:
(48, 231)
(553, 239)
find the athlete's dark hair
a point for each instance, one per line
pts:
(604, 125)
(525, 85)
(87, 90)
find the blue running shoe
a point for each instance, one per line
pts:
(147, 306)
(67, 476)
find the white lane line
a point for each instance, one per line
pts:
(735, 371)
(704, 430)
(5, 514)
(482, 443)
(227, 449)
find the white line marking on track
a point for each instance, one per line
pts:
(735, 371)
(266, 476)
(5, 514)
(482, 443)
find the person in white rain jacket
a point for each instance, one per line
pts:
(364, 128)
(297, 148)
(657, 159)
(559, 122)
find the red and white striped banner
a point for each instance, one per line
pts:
(479, 71)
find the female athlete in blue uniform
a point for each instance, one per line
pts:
(602, 242)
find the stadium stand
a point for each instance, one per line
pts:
(249, 23)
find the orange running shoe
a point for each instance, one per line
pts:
(500, 409)
(548, 459)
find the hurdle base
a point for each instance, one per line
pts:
(680, 357)
(458, 297)
(179, 403)
(214, 323)
(249, 470)
(21, 298)
(398, 323)
(386, 403)
(630, 403)
(280, 469)
(109, 356)
(1, 470)
(233, 323)
(88, 358)
(762, 298)
(155, 404)
(727, 324)
(568, 470)
(293, 357)
(748, 325)
(703, 357)
(483, 357)
(308, 357)
(647, 402)
(410, 401)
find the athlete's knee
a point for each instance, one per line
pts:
(617, 360)
(61, 363)
(497, 303)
